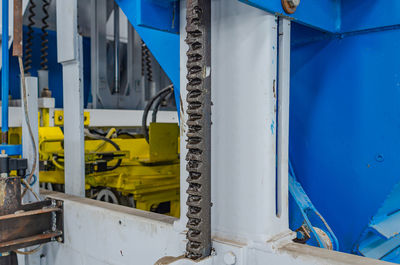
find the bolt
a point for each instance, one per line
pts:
(379, 158)
(293, 3)
(229, 258)
(60, 118)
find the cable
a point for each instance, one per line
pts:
(44, 36)
(30, 189)
(29, 40)
(29, 252)
(28, 123)
(158, 105)
(160, 93)
(116, 146)
(56, 164)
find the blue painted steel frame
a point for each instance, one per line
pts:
(159, 14)
(5, 68)
(344, 123)
(164, 45)
(338, 16)
(11, 150)
(321, 14)
(157, 21)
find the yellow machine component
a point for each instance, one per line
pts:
(14, 135)
(59, 118)
(148, 173)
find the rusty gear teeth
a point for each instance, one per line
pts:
(199, 129)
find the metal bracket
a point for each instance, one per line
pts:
(24, 225)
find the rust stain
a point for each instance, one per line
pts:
(181, 103)
(3, 185)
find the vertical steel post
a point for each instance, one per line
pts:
(28, 151)
(283, 121)
(69, 52)
(198, 38)
(116, 49)
(4, 73)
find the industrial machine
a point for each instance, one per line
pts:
(119, 170)
(182, 132)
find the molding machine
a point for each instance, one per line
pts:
(180, 132)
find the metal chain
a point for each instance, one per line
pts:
(199, 128)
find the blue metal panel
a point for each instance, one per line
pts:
(345, 123)
(5, 69)
(321, 14)
(11, 150)
(312, 218)
(55, 69)
(159, 14)
(163, 45)
(365, 14)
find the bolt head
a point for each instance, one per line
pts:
(229, 258)
(293, 3)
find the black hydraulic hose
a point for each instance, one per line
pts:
(116, 146)
(160, 93)
(158, 105)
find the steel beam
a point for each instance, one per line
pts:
(283, 95)
(69, 47)
(322, 14)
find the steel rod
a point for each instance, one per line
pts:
(116, 49)
(4, 73)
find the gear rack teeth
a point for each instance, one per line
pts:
(199, 121)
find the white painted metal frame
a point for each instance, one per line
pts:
(27, 145)
(244, 122)
(99, 117)
(246, 228)
(69, 51)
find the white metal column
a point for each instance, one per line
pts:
(283, 122)
(27, 145)
(69, 48)
(244, 123)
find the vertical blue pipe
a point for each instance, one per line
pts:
(5, 72)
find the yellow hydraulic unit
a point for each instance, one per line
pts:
(122, 169)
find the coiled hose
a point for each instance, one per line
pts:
(44, 36)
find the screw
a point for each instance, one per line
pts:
(60, 118)
(293, 3)
(229, 258)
